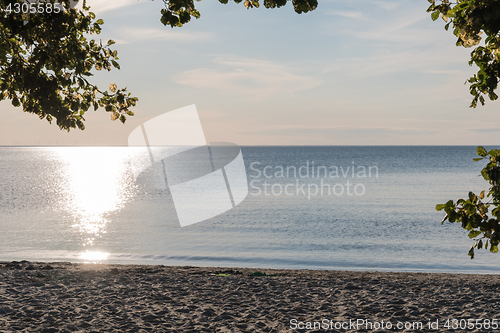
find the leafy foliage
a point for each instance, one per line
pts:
(45, 62)
(178, 12)
(471, 19)
(481, 219)
(46, 58)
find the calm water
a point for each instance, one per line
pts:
(306, 208)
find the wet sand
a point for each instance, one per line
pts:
(65, 297)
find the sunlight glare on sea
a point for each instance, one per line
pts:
(94, 256)
(95, 183)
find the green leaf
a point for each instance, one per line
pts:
(435, 15)
(481, 151)
(440, 207)
(474, 233)
(15, 102)
(452, 216)
(471, 252)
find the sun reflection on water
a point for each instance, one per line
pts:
(94, 256)
(95, 184)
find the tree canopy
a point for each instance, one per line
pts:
(47, 57)
(179, 12)
(473, 20)
(46, 61)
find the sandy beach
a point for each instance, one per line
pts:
(66, 297)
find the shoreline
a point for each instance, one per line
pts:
(81, 297)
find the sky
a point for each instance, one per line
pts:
(352, 72)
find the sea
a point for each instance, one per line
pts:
(357, 208)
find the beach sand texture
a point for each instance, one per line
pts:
(66, 297)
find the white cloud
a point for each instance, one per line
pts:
(445, 72)
(388, 5)
(298, 131)
(127, 34)
(402, 61)
(405, 31)
(348, 14)
(101, 6)
(246, 76)
(383, 41)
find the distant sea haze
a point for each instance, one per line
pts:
(324, 207)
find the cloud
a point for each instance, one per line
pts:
(388, 5)
(101, 6)
(485, 130)
(444, 71)
(127, 35)
(247, 76)
(339, 131)
(382, 22)
(348, 14)
(407, 31)
(386, 41)
(382, 62)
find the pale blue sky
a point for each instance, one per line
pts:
(350, 73)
